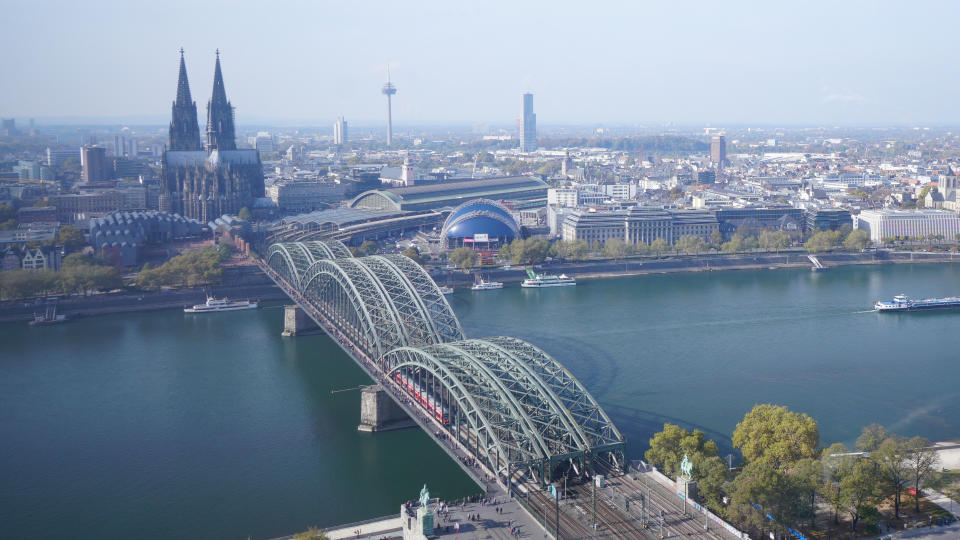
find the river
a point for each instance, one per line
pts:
(160, 425)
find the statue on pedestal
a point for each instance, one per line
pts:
(686, 467)
(425, 496)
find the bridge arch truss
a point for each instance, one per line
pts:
(514, 405)
(510, 402)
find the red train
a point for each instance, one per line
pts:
(426, 398)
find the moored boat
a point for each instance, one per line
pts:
(446, 290)
(483, 285)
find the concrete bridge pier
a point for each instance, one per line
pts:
(296, 322)
(378, 412)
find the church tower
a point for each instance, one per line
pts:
(220, 132)
(184, 131)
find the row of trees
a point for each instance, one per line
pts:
(199, 267)
(786, 473)
(933, 239)
(536, 250)
(848, 239)
(78, 273)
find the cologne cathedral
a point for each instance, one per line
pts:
(200, 182)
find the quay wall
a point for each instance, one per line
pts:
(240, 283)
(693, 263)
(250, 282)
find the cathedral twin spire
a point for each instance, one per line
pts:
(184, 129)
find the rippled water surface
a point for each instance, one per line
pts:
(160, 425)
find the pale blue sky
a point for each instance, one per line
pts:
(463, 62)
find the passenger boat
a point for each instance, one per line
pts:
(446, 290)
(483, 285)
(536, 281)
(221, 304)
(902, 302)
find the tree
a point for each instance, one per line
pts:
(821, 241)
(8, 217)
(530, 250)
(733, 245)
(463, 257)
(667, 448)
(369, 247)
(24, 283)
(615, 248)
(71, 238)
(193, 268)
(892, 465)
(691, 244)
(244, 214)
(762, 484)
(716, 238)
(773, 240)
(922, 461)
(561, 249)
(860, 490)
(658, 246)
(580, 250)
(775, 435)
(413, 254)
(807, 476)
(312, 533)
(711, 475)
(836, 466)
(857, 240)
(871, 437)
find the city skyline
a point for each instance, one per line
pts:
(833, 64)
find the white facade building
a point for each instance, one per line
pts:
(882, 224)
(340, 135)
(566, 197)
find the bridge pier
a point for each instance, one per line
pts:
(378, 412)
(296, 322)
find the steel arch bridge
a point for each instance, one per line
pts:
(512, 404)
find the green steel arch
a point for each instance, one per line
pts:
(385, 301)
(292, 259)
(516, 401)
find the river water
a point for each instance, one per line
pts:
(160, 425)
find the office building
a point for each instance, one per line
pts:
(293, 197)
(8, 127)
(718, 151)
(640, 224)
(340, 131)
(93, 161)
(56, 158)
(882, 224)
(773, 217)
(827, 219)
(528, 125)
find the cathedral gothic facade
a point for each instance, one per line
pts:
(200, 182)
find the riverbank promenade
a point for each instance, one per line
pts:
(493, 518)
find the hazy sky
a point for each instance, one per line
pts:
(463, 62)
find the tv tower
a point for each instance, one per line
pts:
(389, 90)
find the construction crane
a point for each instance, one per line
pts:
(43, 183)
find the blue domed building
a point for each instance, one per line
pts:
(481, 223)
